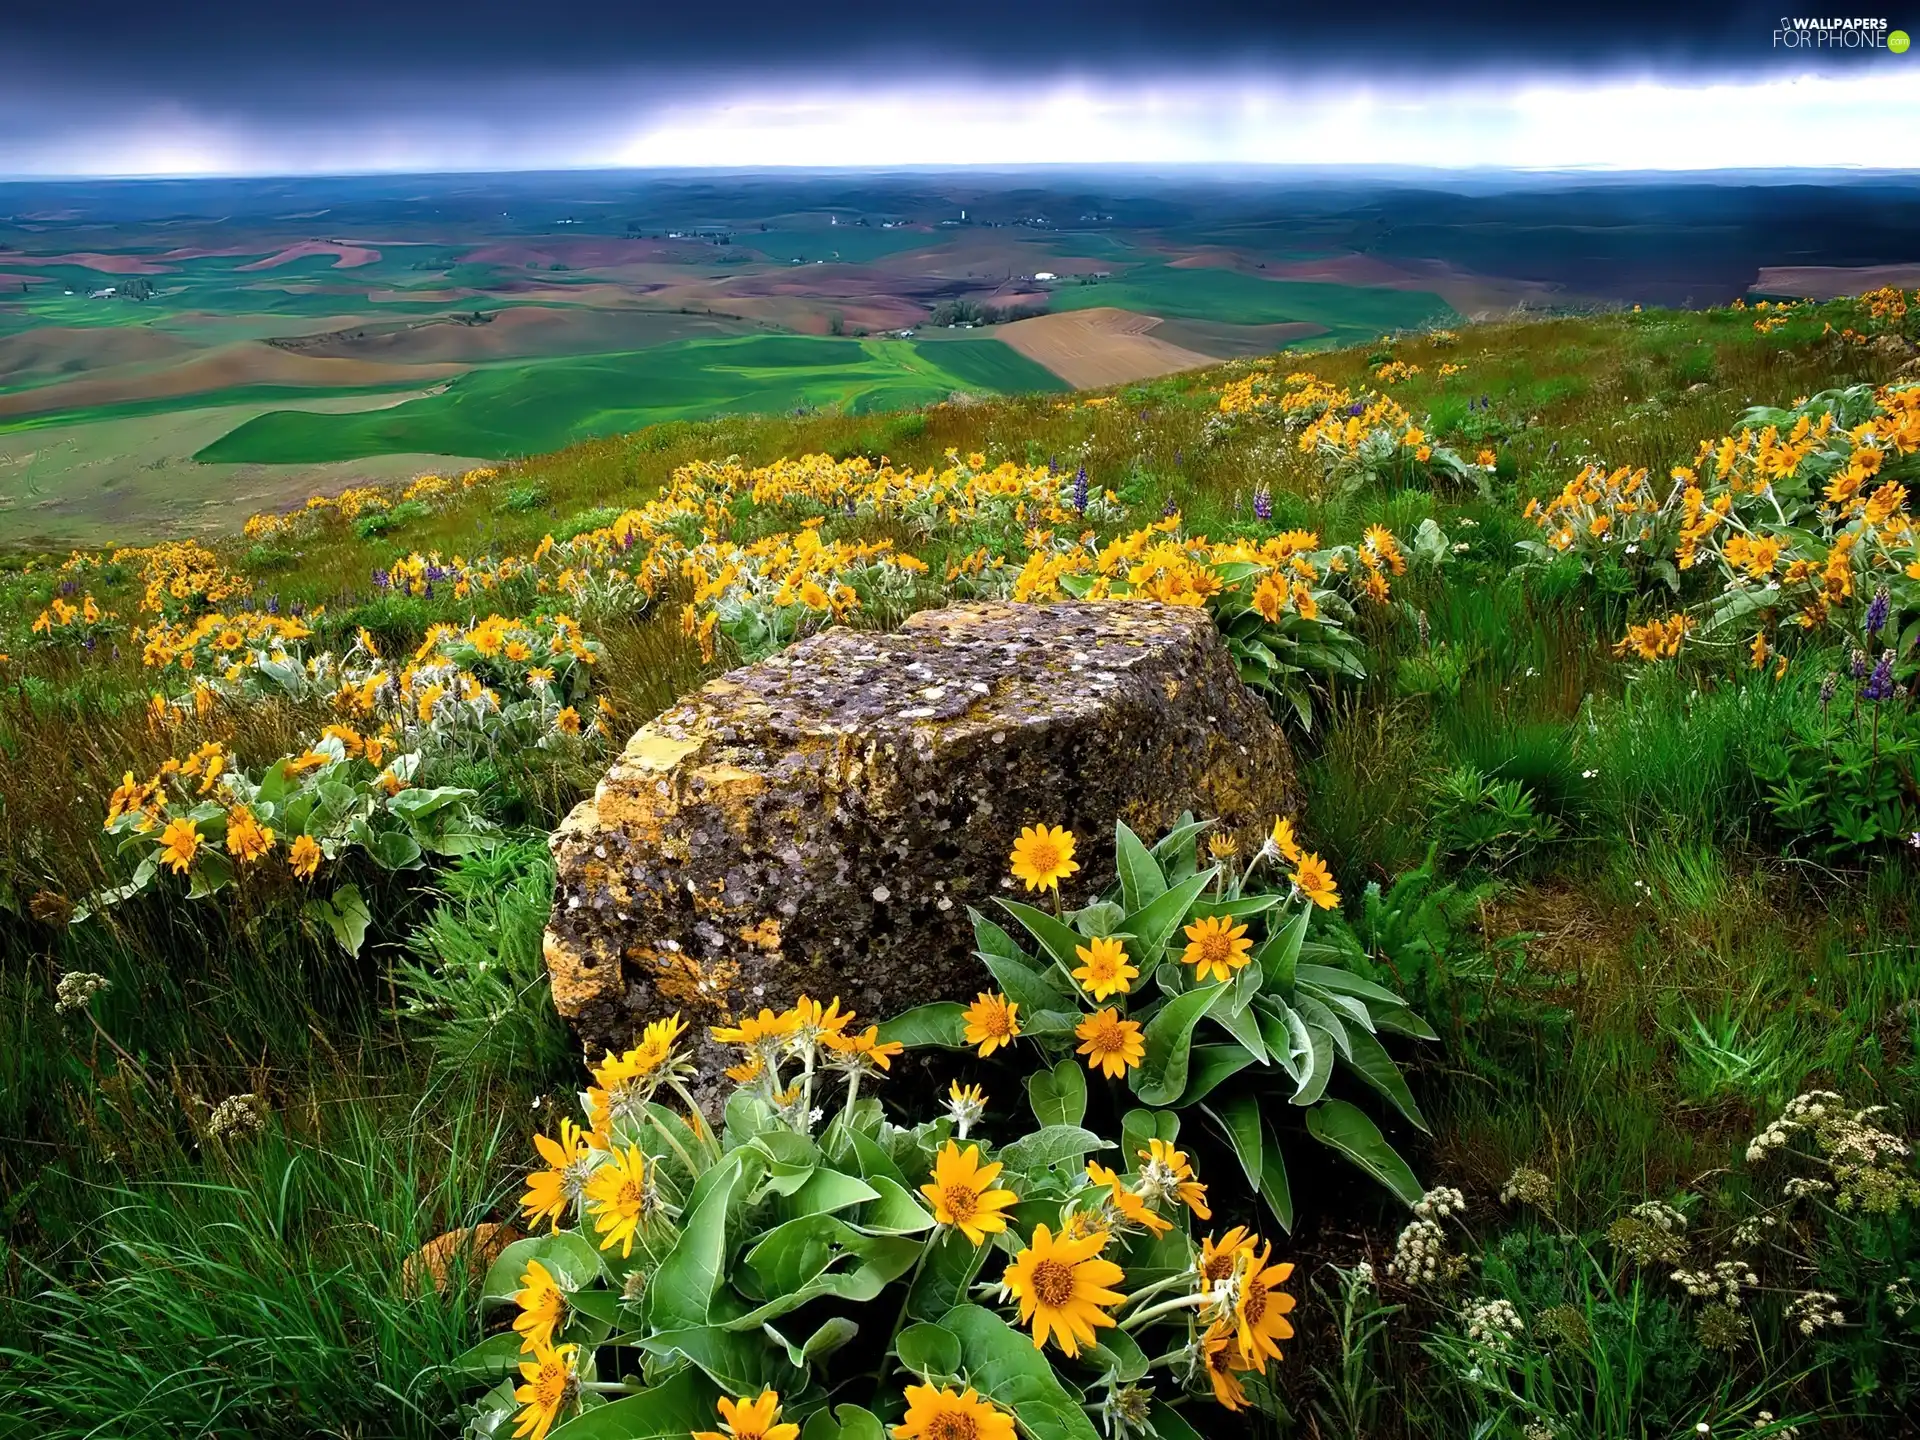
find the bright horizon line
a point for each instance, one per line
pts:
(1614, 125)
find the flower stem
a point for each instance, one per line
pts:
(1166, 1307)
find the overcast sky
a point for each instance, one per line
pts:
(92, 86)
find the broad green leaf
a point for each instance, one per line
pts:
(846, 1422)
(1404, 1022)
(683, 1288)
(1238, 1117)
(1350, 1130)
(1209, 1067)
(826, 1190)
(875, 1163)
(927, 1350)
(1002, 1362)
(1119, 1354)
(740, 1362)
(212, 871)
(1314, 1086)
(1059, 1095)
(394, 850)
(952, 1262)
(1319, 1017)
(493, 1357)
(670, 1410)
(816, 1245)
(344, 915)
(1274, 1188)
(1154, 924)
(1352, 1012)
(833, 1333)
(1343, 983)
(1102, 917)
(791, 1159)
(1056, 937)
(1237, 909)
(1141, 881)
(895, 1212)
(1241, 1023)
(1049, 1146)
(1032, 991)
(990, 939)
(943, 1024)
(1279, 957)
(1139, 1126)
(1169, 1424)
(1372, 1064)
(568, 1255)
(1286, 1037)
(1175, 850)
(1162, 1074)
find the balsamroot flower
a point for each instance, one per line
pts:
(1062, 1286)
(963, 1194)
(1043, 857)
(947, 1414)
(992, 1021)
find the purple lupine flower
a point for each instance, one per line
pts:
(1169, 510)
(381, 579)
(89, 642)
(1878, 610)
(273, 604)
(1857, 664)
(1263, 503)
(1080, 490)
(1827, 687)
(67, 587)
(1357, 408)
(1053, 465)
(1880, 683)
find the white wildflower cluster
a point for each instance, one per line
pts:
(1723, 1282)
(1801, 1112)
(77, 989)
(1527, 1186)
(1539, 1430)
(1901, 1296)
(1814, 1311)
(1492, 1322)
(1441, 1203)
(1363, 1274)
(1870, 1167)
(1653, 1232)
(1421, 1253)
(1750, 1232)
(236, 1117)
(1763, 1424)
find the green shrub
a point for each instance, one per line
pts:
(1487, 823)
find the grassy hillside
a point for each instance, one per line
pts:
(1644, 903)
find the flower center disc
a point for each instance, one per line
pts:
(1052, 1283)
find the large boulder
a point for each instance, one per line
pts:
(819, 822)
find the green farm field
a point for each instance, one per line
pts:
(1348, 313)
(504, 411)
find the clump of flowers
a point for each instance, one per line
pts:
(1867, 1168)
(656, 1219)
(1493, 1323)
(1652, 1233)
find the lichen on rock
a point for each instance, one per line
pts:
(819, 822)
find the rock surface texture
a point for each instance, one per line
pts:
(819, 822)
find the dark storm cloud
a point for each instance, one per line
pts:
(257, 86)
(245, 46)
